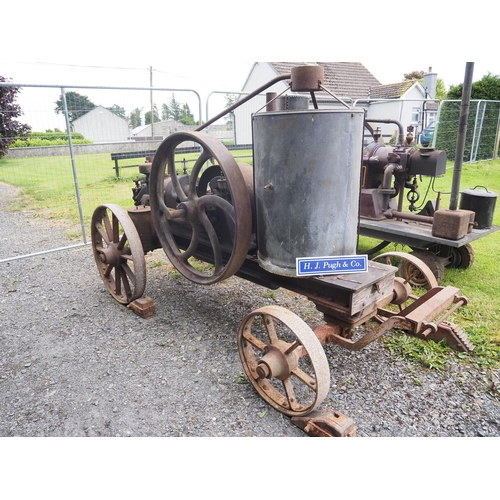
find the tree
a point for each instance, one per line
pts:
(186, 116)
(135, 118)
(230, 100)
(440, 89)
(10, 129)
(487, 88)
(172, 110)
(117, 110)
(414, 75)
(147, 116)
(419, 75)
(78, 105)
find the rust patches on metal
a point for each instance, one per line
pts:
(326, 423)
(143, 307)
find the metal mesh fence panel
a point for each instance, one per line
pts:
(64, 177)
(482, 129)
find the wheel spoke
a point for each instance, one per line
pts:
(173, 175)
(118, 280)
(126, 284)
(202, 159)
(193, 244)
(102, 232)
(128, 272)
(270, 328)
(305, 378)
(122, 242)
(210, 200)
(290, 393)
(107, 272)
(116, 229)
(214, 241)
(107, 225)
(254, 341)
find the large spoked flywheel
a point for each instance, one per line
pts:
(212, 214)
(284, 360)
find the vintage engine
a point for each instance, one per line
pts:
(301, 199)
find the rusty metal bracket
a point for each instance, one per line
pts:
(326, 423)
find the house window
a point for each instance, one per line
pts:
(415, 115)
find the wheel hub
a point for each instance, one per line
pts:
(275, 363)
(110, 254)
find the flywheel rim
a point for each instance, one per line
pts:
(191, 208)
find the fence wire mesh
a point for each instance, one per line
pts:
(481, 141)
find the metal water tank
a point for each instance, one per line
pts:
(307, 183)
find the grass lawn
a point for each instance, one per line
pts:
(48, 188)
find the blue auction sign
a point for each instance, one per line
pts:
(317, 266)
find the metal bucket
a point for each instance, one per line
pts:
(480, 202)
(307, 183)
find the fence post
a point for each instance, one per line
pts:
(73, 165)
(497, 138)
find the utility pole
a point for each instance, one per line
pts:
(462, 131)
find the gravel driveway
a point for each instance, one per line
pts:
(75, 363)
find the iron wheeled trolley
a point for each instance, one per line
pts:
(300, 199)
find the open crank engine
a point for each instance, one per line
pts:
(300, 199)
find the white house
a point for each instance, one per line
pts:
(102, 125)
(347, 80)
(407, 102)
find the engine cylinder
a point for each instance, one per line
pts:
(307, 183)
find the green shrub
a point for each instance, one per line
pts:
(37, 139)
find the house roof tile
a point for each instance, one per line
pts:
(391, 90)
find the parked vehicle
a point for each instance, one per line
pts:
(427, 133)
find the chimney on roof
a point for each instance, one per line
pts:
(430, 80)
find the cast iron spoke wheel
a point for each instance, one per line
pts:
(118, 253)
(435, 263)
(283, 360)
(213, 214)
(412, 272)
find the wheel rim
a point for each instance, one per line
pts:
(412, 269)
(412, 272)
(435, 263)
(232, 211)
(118, 253)
(283, 360)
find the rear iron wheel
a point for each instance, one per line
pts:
(118, 253)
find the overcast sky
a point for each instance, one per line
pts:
(212, 46)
